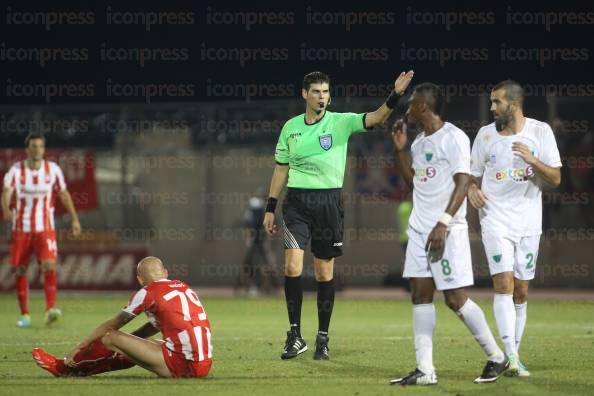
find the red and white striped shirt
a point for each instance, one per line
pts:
(34, 189)
(174, 309)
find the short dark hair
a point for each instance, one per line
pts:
(33, 135)
(315, 77)
(513, 91)
(432, 95)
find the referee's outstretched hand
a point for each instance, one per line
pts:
(402, 81)
(268, 223)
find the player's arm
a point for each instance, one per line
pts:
(6, 196)
(145, 331)
(476, 196)
(399, 137)
(66, 200)
(459, 154)
(112, 324)
(279, 178)
(380, 115)
(461, 180)
(436, 240)
(551, 175)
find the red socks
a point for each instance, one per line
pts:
(96, 350)
(50, 285)
(22, 290)
(95, 359)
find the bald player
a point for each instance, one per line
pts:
(172, 309)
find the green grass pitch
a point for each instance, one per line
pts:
(371, 342)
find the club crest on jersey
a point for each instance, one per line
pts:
(428, 156)
(326, 142)
(497, 258)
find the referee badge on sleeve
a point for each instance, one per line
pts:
(326, 142)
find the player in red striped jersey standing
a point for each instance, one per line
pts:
(35, 182)
(172, 308)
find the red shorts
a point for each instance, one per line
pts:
(182, 368)
(24, 243)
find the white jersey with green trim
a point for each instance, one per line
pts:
(513, 191)
(435, 160)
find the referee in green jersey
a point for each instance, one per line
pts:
(312, 150)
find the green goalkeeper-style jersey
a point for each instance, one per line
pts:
(316, 153)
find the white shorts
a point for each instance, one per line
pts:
(454, 270)
(508, 255)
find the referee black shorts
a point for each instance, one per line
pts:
(317, 215)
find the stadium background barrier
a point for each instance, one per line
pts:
(176, 185)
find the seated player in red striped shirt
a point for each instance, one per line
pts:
(35, 182)
(172, 308)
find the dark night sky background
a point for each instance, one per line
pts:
(291, 38)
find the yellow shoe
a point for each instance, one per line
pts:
(51, 315)
(24, 321)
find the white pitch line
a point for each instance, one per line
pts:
(389, 338)
(393, 338)
(36, 343)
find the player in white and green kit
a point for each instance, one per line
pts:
(513, 158)
(311, 151)
(438, 251)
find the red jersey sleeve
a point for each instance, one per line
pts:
(59, 182)
(10, 178)
(138, 303)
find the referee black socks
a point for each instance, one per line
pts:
(294, 298)
(325, 305)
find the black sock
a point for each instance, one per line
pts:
(325, 305)
(294, 297)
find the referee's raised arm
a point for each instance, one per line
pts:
(383, 112)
